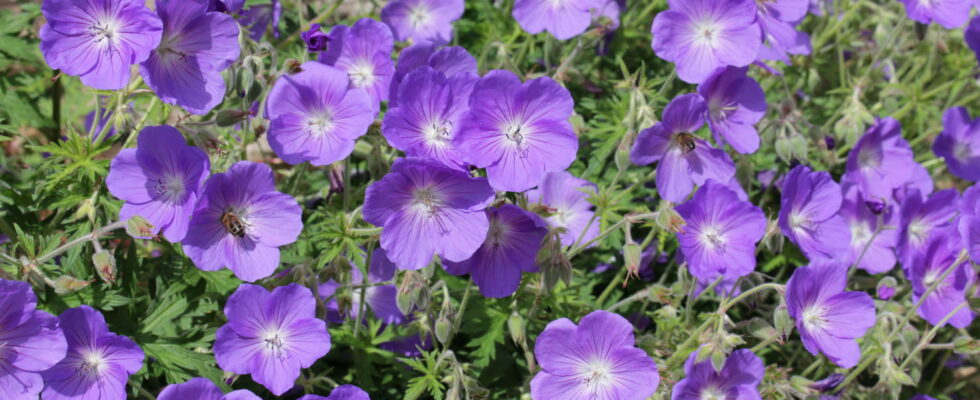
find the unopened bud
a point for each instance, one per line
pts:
(515, 324)
(669, 219)
(632, 253)
(230, 117)
(886, 288)
(622, 157)
(443, 329)
(105, 266)
(782, 321)
(66, 284)
(138, 227)
(966, 345)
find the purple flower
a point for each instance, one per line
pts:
(518, 132)
(202, 389)
(927, 268)
(30, 342)
(735, 102)
(566, 199)
(196, 46)
(778, 21)
(968, 221)
(510, 248)
(240, 222)
(160, 180)
(451, 61)
(381, 299)
(342, 392)
(315, 117)
(98, 362)
(425, 208)
(829, 318)
(684, 159)
(562, 19)
(922, 219)
(809, 216)
(881, 161)
(258, 17)
(738, 379)
(98, 41)
(972, 36)
(363, 51)
(700, 36)
(427, 118)
(595, 360)
(959, 144)
(422, 20)
(606, 15)
(271, 335)
(950, 14)
(886, 288)
(871, 241)
(721, 233)
(315, 39)
(226, 6)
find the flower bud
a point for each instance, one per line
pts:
(966, 345)
(105, 266)
(886, 288)
(632, 254)
(230, 117)
(66, 284)
(622, 156)
(875, 206)
(515, 324)
(443, 329)
(138, 227)
(782, 321)
(669, 219)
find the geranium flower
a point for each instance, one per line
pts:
(684, 159)
(424, 209)
(809, 216)
(30, 342)
(202, 389)
(562, 19)
(98, 363)
(98, 41)
(566, 198)
(315, 116)
(735, 103)
(510, 248)
(596, 359)
(518, 132)
(828, 318)
(363, 51)
(959, 144)
(160, 180)
(739, 378)
(422, 20)
(700, 36)
(241, 221)
(271, 336)
(196, 46)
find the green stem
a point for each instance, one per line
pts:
(929, 336)
(727, 305)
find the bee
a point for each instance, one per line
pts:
(233, 224)
(687, 141)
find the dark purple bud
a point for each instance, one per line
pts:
(875, 206)
(315, 39)
(830, 142)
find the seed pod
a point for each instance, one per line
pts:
(515, 324)
(443, 329)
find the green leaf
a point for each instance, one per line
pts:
(164, 312)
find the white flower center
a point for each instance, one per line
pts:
(713, 393)
(427, 200)
(931, 277)
(104, 32)
(813, 317)
(274, 341)
(419, 16)
(596, 374)
(797, 220)
(93, 363)
(918, 231)
(860, 233)
(362, 74)
(170, 187)
(712, 238)
(320, 124)
(438, 133)
(706, 32)
(869, 158)
(514, 132)
(497, 234)
(962, 152)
